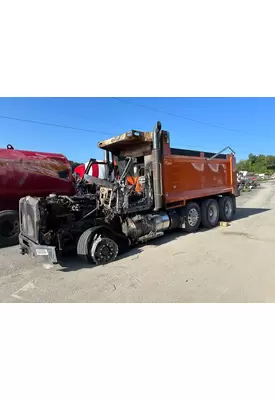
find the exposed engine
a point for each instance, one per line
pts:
(62, 218)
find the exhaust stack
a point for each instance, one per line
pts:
(107, 163)
(156, 163)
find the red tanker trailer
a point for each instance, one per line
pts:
(24, 173)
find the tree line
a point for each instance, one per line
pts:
(260, 164)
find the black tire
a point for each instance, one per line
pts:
(9, 228)
(210, 213)
(84, 245)
(226, 207)
(92, 244)
(192, 217)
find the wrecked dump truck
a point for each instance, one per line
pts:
(28, 172)
(151, 188)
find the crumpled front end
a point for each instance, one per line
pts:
(29, 219)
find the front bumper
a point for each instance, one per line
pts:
(46, 254)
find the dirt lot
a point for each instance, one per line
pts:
(233, 264)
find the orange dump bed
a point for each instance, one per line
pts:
(188, 174)
(187, 177)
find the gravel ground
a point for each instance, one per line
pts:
(233, 264)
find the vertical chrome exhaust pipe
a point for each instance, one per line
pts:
(156, 160)
(107, 164)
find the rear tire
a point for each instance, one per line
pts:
(9, 228)
(210, 213)
(192, 217)
(226, 207)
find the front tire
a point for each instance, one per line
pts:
(95, 247)
(210, 213)
(104, 250)
(84, 245)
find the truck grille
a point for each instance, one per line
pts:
(29, 217)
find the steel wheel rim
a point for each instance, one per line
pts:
(228, 208)
(212, 213)
(193, 217)
(104, 250)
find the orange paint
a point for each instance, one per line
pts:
(187, 177)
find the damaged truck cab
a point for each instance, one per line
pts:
(151, 188)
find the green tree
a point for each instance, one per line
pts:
(74, 164)
(259, 164)
(270, 164)
(242, 165)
